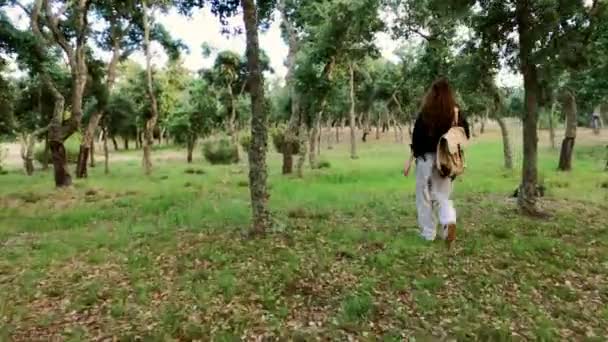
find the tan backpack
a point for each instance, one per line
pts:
(450, 151)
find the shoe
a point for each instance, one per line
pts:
(450, 233)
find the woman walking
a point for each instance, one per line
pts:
(439, 113)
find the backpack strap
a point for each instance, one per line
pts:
(456, 119)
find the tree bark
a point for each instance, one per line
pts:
(569, 107)
(484, 118)
(353, 132)
(314, 139)
(257, 153)
(506, 143)
(551, 126)
(190, 149)
(56, 138)
(151, 121)
(329, 135)
(27, 151)
(115, 143)
(303, 143)
(527, 195)
(232, 119)
(92, 159)
(338, 132)
(106, 153)
(47, 151)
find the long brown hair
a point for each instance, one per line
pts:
(437, 111)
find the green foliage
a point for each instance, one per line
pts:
(220, 152)
(279, 140)
(323, 164)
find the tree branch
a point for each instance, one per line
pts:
(53, 24)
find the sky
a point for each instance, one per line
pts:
(203, 27)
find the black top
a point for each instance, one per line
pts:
(423, 142)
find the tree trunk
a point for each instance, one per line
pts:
(569, 107)
(287, 159)
(303, 142)
(378, 129)
(126, 143)
(552, 126)
(291, 133)
(151, 121)
(96, 117)
(106, 153)
(138, 144)
(329, 136)
(85, 145)
(338, 133)
(313, 140)
(115, 143)
(484, 118)
(56, 138)
(232, 120)
(319, 136)
(528, 191)
(27, 150)
(353, 137)
(47, 151)
(506, 144)
(190, 150)
(92, 154)
(257, 153)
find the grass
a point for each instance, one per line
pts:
(163, 258)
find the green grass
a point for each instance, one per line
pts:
(164, 258)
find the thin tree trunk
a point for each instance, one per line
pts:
(484, 118)
(126, 143)
(257, 153)
(138, 144)
(338, 132)
(319, 136)
(353, 137)
(47, 150)
(569, 107)
(313, 141)
(86, 144)
(329, 136)
(28, 142)
(378, 128)
(115, 143)
(506, 143)
(106, 153)
(151, 122)
(303, 142)
(190, 149)
(551, 126)
(92, 153)
(291, 133)
(528, 191)
(232, 120)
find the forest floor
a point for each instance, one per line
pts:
(127, 257)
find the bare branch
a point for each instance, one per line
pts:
(25, 9)
(53, 23)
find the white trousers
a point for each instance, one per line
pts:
(432, 191)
